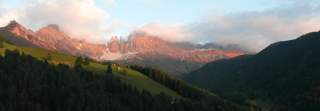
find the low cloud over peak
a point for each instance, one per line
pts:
(256, 30)
(174, 33)
(253, 30)
(79, 18)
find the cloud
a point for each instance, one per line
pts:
(117, 26)
(7, 15)
(174, 33)
(256, 30)
(110, 2)
(79, 18)
(253, 30)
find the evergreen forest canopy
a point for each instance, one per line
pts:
(29, 84)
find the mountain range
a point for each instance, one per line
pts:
(139, 48)
(38, 79)
(282, 77)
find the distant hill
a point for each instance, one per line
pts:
(168, 65)
(284, 76)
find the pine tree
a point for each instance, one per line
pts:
(1, 44)
(48, 57)
(109, 69)
(86, 61)
(78, 62)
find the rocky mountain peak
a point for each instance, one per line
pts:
(52, 32)
(53, 27)
(114, 39)
(114, 44)
(13, 24)
(19, 30)
(138, 45)
(145, 42)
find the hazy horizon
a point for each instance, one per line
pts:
(251, 24)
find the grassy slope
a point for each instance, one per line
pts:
(127, 75)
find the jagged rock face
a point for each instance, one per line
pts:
(19, 30)
(138, 46)
(17, 34)
(58, 40)
(52, 38)
(146, 46)
(155, 46)
(114, 45)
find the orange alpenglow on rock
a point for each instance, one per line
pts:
(139, 46)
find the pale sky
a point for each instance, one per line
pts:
(251, 23)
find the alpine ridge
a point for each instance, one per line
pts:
(282, 77)
(139, 46)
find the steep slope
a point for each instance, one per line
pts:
(284, 76)
(131, 77)
(148, 45)
(61, 85)
(50, 38)
(170, 57)
(17, 34)
(169, 65)
(59, 41)
(37, 85)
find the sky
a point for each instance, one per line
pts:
(252, 24)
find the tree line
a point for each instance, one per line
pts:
(29, 84)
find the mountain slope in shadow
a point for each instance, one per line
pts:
(283, 76)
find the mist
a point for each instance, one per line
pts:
(251, 30)
(80, 19)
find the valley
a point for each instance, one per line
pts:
(283, 76)
(159, 55)
(18, 54)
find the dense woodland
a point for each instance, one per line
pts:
(29, 84)
(168, 65)
(184, 89)
(181, 87)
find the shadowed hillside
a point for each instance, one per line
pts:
(284, 76)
